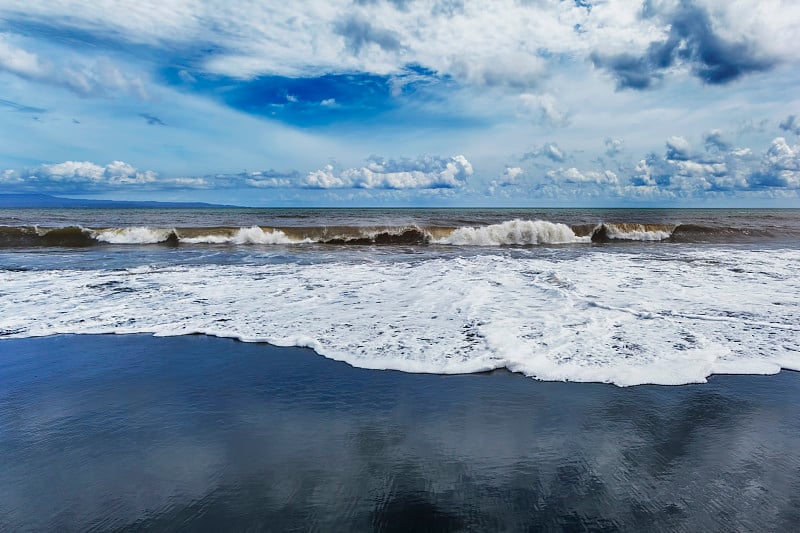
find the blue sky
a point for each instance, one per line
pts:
(404, 102)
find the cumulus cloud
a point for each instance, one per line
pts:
(780, 166)
(544, 109)
(678, 149)
(269, 179)
(721, 170)
(511, 176)
(573, 175)
(78, 175)
(791, 125)
(613, 146)
(714, 141)
(548, 150)
(420, 173)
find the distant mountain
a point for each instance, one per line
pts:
(44, 200)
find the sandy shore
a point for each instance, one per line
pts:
(135, 432)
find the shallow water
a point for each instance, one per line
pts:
(626, 296)
(194, 433)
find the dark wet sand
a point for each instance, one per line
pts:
(195, 433)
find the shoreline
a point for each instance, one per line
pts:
(312, 351)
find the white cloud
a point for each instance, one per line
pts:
(85, 77)
(88, 173)
(544, 109)
(678, 148)
(19, 61)
(420, 173)
(510, 176)
(735, 169)
(573, 175)
(486, 42)
(613, 146)
(781, 165)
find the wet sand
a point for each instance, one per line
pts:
(195, 433)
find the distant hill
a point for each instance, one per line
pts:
(44, 200)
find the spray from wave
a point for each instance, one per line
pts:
(514, 232)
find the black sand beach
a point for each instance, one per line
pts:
(197, 433)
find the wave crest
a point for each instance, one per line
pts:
(636, 232)
(251, 235)
(519, 232)
(134, 235)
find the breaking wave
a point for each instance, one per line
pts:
(514, 232)
(509, 233)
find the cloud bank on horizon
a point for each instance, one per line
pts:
(403, 102)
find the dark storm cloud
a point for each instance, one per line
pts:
(692, 40)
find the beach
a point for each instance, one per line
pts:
(132, 432)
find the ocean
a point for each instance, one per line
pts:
(621, 296)
(401, 370)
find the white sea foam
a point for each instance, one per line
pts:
(519, 232)
(133, 235)
(623, 318)
(251, 235)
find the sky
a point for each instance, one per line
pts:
(540, 103)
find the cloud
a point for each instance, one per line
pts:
(714, 141)
(780, 166)
(98, 77)
(573, 175)
(678, 149)
(21, 108)
(721, 170)
(268, 179)
(791, 125)
(18, 61)
(510, 177)
(510, 44)
(613, 146)
(359, 33)
(694, 40)
(544, 109)
(549, 150)
(152, 120)
(421, 173)
(78, 175)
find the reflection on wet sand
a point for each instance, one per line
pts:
(137, 433)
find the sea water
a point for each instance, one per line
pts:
(619, 296)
